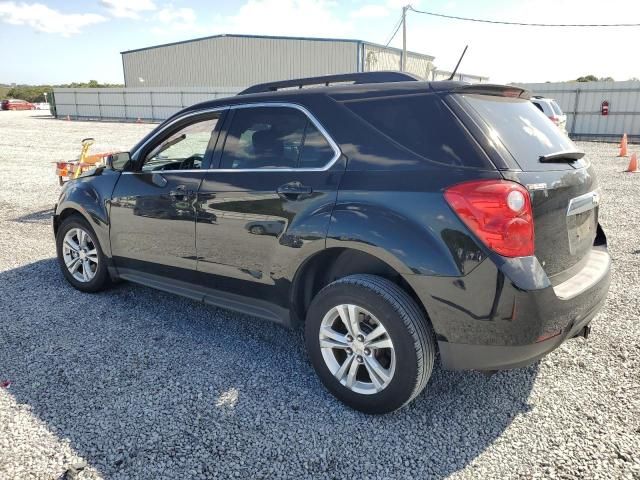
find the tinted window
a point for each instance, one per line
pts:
(523, 129)
(538, 106)
(184, 149)
(316, 151)
(264, 137)
(422, 124)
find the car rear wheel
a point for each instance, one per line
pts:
(370, 343)
(80, 256)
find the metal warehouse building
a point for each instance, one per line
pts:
(237, 61)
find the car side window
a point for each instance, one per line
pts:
(182, 150)
(274, 137)
(316, 151)
(539, 106)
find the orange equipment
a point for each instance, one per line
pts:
(71, 170)
(623, 146)
(633, 164)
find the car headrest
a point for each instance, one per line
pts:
(267, 142)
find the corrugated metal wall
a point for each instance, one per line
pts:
(237, 61)
(377, 58)
(581, 101)
(150, 104)
(463, 77)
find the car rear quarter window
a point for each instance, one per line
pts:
(524, 131)
(422, 124)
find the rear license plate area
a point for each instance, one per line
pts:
(582, 230)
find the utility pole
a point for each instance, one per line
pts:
(403, 61)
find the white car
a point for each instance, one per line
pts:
(551, 109)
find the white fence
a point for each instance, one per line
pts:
(149, 104)
(582, 102)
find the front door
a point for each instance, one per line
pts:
(269, 203)
(152, 209)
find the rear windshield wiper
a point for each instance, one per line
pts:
(563, 156)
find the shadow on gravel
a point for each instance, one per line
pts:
(145, 384)
(41, 216)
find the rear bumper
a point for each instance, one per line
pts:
(508, 315)
(460, 356)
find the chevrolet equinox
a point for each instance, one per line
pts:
(395, 220)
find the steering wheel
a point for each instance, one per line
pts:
(190, 162)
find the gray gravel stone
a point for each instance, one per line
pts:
(142, 384)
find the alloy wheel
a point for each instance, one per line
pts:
(357, 349)
(80, 255)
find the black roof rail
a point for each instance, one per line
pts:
(354, 78)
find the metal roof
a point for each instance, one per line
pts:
(277, 37)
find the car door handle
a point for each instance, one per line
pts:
(293, 190)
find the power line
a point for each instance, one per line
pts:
(479, 20)
(397, 27)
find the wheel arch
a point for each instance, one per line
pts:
(94, 218)
(334, 263)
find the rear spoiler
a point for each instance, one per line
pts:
(495, 90)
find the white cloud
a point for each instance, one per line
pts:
(177, 20)
(173, 15)
(531, 54)
(311, 18)
(128, 8)
(44, 19)
(371, 11)
(308, 18)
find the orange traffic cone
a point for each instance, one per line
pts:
(633, 164)
(623, 146)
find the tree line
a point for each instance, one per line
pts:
(35, 93)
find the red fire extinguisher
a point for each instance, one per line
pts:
(604, 108)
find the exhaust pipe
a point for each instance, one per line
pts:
(584, 332)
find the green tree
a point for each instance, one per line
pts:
(35, 93)
(587, 78)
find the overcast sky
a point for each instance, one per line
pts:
(60, 41)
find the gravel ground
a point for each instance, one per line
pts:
(133, 383)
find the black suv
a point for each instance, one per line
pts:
(394, 219)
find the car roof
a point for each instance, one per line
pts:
(392, 88)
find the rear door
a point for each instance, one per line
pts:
(564, 193)
(153, 206)
(268, 204)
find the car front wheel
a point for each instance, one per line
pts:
(369, 342)
(80, 256)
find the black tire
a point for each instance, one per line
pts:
(101, 279)
(406, 324)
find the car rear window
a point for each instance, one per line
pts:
(524, 131)
(422, 124)
(556, 107)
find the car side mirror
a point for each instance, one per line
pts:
(117, 161)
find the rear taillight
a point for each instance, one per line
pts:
(555, 119)
(498, 212)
